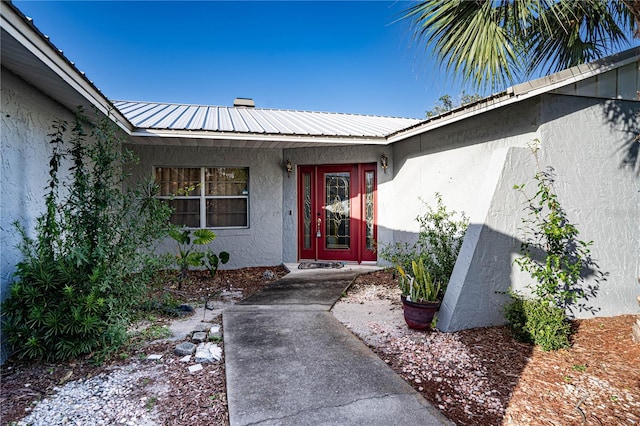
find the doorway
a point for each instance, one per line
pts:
(337, 212)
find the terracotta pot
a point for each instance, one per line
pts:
(419, 315)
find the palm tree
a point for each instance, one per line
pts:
(494, 43)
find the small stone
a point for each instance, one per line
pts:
(268, 275)
(216, 352)
(194, 368)
(231, 294)
(154, 357)
(185, 348)
(200, 327)
(208, 352)
(215, 329)
(185, 358)
(199, 336)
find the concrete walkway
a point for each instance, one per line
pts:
(290, 362)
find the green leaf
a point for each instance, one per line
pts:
(203, 236)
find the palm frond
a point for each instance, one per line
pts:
(494, 43)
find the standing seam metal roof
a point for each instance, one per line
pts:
(165, 116)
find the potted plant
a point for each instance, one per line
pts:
(421, 296)
(425, 267)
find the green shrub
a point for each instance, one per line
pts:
(538, 321)
(439, 241)
(91, 260)
(552, 252)
(557, 260)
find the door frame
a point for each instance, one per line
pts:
(310, 191)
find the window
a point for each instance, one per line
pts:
(206, 197)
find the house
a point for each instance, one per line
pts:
(283, 186)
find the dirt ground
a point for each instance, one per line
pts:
(475, 377)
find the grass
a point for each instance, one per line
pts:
(151, 402)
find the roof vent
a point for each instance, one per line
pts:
(244, 102)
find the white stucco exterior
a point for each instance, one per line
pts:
(587, 147)
(27, 116)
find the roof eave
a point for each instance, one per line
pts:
(520, 93)
(262, 137)
(19, 27)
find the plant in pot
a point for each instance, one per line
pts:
(421, 296)
(425, 266)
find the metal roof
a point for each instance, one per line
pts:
(259, 121)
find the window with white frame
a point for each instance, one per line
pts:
(206, 197)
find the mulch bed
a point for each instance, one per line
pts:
(485, 377)
(475, 377)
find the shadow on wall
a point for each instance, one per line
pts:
(629, 118)
(476, 130)
(485, 272)
(476, 295)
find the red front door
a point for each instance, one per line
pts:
(336, 208)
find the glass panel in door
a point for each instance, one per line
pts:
(337, 208)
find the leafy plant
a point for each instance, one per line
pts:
(155, 332)
(420, 287)
(212, 261)
(89, 265)
(552, 253)
(556, 259)
(439, 241)
(188, 255)
(151, 403)
(539, 322)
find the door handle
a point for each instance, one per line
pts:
(318, 228)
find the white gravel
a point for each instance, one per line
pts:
(120, 397)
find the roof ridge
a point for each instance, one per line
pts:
(265, 109)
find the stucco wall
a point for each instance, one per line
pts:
(582, 140)
(454, 161)
(27, 115)
(261, 243)
(587, 141)
(333, 155)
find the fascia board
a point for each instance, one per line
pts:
(33, 41)
(257, 137)
(569, 76)
(519, 93)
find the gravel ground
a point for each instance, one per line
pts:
(475, 377)
(116, 396)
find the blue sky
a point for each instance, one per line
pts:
(324, 56)
(336, 56)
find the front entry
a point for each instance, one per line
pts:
(337, 212)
